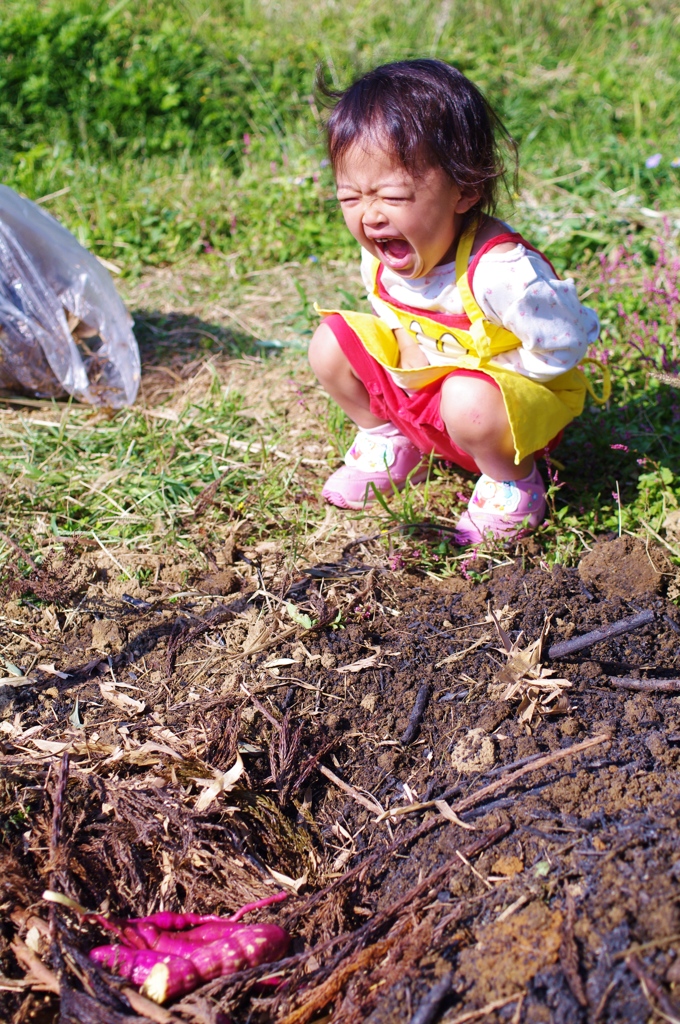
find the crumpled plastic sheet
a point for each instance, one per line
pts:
(47, 277)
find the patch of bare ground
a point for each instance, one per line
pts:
(449, 854)
(467, 829)
(265, 304)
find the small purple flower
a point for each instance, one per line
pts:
(324, 162)
(675, 162)
(464, 568)
(615, 497)
(653, 161)
(396, 562)
(619, 447)
(246, 143)
(313, 259)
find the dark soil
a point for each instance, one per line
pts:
(564, 907)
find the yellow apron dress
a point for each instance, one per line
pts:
(536, 411)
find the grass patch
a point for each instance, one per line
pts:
(184, 144)
(179, 129)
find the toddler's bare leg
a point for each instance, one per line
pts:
(334, 373)
(475, 418)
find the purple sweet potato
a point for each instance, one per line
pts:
(159, 931)
(148, 936)
(154, 931)
(136, 965)
(166, 920)
(119, 959)
(182, 965)
(248, 947)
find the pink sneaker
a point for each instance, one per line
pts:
(386, 460)
(500, 509)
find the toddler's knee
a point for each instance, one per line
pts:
(472, 408)
(462, 398)
(324, 353)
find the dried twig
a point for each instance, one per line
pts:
(569, 954)
(483, 1011)
(19, 550)
(416, 716)
(38, 975)
(658, 943)
(427, 1011)
(332, 986)
(369, 804)
(651, 988)
(57, 812)
(579, 643)
(473, 869)
(55, 834)
(183, 633)
(604, 998)
(505, 780)
(261, 708)
(629, 683)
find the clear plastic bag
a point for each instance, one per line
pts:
(63, 327)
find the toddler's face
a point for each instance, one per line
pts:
(410, 224)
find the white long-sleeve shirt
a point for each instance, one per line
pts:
(516, 289)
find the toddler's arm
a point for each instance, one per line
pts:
(411, 354)
(519, 290)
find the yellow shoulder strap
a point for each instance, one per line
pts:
(375, 265)
(470, 305)
(606, 381)
(489, 339)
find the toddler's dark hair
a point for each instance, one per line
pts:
(430, 115)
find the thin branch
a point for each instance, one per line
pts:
(505, 780)
(372, 805)
(629, 683)
(579, 643)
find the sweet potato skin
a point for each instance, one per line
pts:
(191, 963)
(151, 932)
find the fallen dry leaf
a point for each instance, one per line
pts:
(223, 782)
(358, 666)
(50, 746)
(527, 680)
(150, 753)
(450, 815)
(51, 670)
(121, 700)
(295, 884)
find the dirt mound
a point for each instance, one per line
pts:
(441, 846)
(625, 567)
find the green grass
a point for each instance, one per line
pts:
(138, 477)
(186, 136)
(177, 126)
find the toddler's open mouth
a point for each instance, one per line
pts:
(396, 252)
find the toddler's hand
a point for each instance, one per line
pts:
(412, 357)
